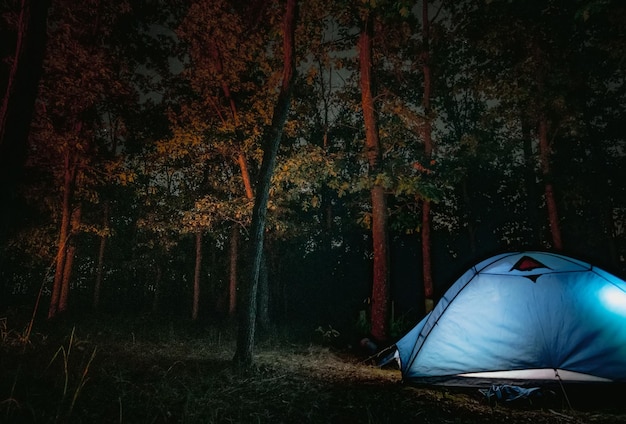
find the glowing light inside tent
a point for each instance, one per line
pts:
(614, 299)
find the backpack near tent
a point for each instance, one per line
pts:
(525, 317)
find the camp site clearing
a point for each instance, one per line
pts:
(154, 372)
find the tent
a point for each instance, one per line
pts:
(522, 317)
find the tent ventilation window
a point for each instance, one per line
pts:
(526, 263)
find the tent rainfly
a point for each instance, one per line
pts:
(522, 317)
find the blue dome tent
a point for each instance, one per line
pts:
(522, 317)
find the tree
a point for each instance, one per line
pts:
(140, 49)
(428, 151)
(18, 99)
(65, 250)
(380, 284)
(527, 77)
(603, 39)
(64, 138)
(221, 74)
(271, 137)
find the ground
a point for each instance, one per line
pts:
(161, 374)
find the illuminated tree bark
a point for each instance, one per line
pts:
(64, 233)
(380, 283)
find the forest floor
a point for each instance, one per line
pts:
(156, 373)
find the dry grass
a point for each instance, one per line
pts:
(160, 375)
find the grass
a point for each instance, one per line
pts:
(102, 371)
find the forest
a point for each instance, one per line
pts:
(196, 160)
(205, 205)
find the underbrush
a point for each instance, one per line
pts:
(110, 370)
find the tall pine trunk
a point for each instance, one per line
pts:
(380, 244)
(271, 137)
(428, 149)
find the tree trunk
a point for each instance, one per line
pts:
(67, 276)
(58, 272)
(64, 234)
(232, 283)
(544, 154)
(245, 176)
(263, 299)
(100, 267)
(380, 283)
(18, 103)
(428, 149)
(69, 262)
(196, 277)
(245, 336)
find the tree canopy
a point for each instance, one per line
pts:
(477, 126)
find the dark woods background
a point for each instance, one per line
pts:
(131, 146)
